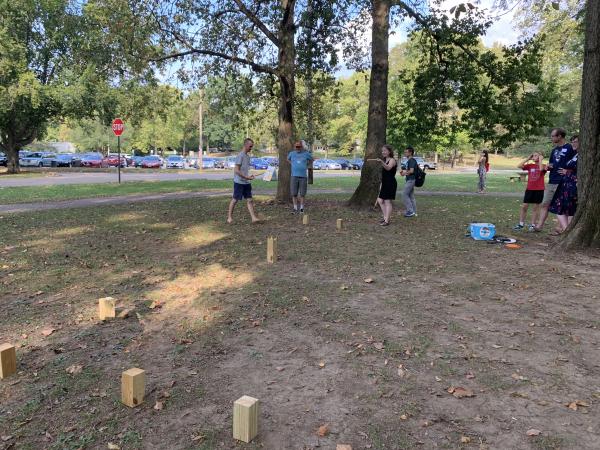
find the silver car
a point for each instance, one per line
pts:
(37, 159)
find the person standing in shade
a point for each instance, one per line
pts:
(564, 203)
(242, 187)
(299, 159)
(482, 168)
(535, 189)
(388, 183)
(408, 193)
(561, 153)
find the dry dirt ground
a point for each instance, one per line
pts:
(409, 337)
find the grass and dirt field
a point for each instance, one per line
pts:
(435, 182)
(449, 343)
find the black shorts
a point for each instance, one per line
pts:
(241, 191)
(534, 197)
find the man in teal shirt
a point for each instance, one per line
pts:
(299, 159)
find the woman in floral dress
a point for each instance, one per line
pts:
(564, 203)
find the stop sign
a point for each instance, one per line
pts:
(118, 127)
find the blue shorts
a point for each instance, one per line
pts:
(241, 191)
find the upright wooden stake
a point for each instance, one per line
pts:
(339, 224)
(133, 384)
(106, 308)
(8, 360)
(305, 219)
(245, 418)
(271, 250)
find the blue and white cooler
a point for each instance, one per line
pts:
(482, 231)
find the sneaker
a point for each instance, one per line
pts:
(384, 224)
(518, 227)
(531, 227)
(294, 211)
(301, 210)
(410, 214)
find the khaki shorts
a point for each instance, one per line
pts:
(549, 192)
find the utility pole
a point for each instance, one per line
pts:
(200, 130)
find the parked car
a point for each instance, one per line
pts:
(112, 160)
(344, 163)
(357, 164)
(66, 160)
(91, 160)
(208, 163)
(37, 159)
(3, 160)
(151, 162)
(259, 164)
(175, 162)
(328, 164)
(136, 161)
(423, 164)
(191, 163)
(272, 161)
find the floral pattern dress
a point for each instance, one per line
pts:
(565, 199)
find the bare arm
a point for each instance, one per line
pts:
(525, 161)
(238, 171)
(389, 165)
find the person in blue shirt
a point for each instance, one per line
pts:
(299, 159)
(560, 155)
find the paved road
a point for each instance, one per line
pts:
(65, 178)
(125, 199)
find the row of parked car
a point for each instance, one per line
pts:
(97, 160)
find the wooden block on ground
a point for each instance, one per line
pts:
(133, 385)
(245, 418)
(8, 360)
(271, 249)
(106, 308)
(305, 219)
(339, 224)
(343, 447)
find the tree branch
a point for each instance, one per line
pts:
(256, 21)
(197, 51)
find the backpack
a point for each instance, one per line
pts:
(419, 176)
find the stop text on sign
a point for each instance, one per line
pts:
(118, 127)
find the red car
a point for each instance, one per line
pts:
(151, 162)
(113, 161)
(91, 160)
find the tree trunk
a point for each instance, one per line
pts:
(584, 231)
(12, 155)
(370, 177)
(287, 57)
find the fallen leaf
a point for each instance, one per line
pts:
(470, 375)
(322, 364)
(344, 287)
(48, 331)
(155, 305)
(460, 392)
(401, 372)
(378, 345)
(323, 430)
(403, 417)
(533, 432)
(368, 280)
(438, 379)
(124, 314)
(6, 438)
(279, 369)
(518, 377)
(158, 406)
(465, 439)
(74, 369)
(112, 446)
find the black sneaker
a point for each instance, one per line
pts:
(518, 227)
(301, 210)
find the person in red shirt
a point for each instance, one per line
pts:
(534, 194)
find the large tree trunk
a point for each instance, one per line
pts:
(12, 160)
(287, 57)
(370, 176)
(584, 231)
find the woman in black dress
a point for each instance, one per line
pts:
(388, 183)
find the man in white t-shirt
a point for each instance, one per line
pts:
(242, 189)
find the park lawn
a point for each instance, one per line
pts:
(435, 182)
(365, 330)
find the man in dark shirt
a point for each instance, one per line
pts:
(561, 153)
(408, 193)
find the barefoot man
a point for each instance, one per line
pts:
(242, 187)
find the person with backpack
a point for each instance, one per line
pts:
(483, 166)
(408, 193)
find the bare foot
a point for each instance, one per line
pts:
(256, 220)
(229, 220)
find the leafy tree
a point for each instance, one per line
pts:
(47, 70)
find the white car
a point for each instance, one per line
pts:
(37, 159)
(175, 162)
